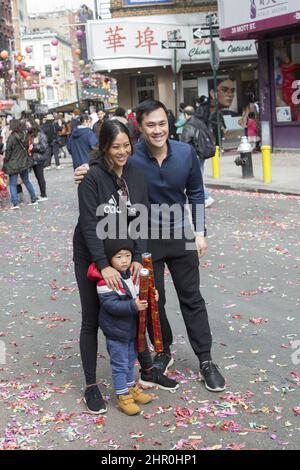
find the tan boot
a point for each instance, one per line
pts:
(140, 397)
(127, 405)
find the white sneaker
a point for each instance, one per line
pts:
(14, 207)
(59, 167)
(209, 201)
(35, 203)
(47, 168)
(42, 199)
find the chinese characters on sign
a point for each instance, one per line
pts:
(146, 39)
(116, 38)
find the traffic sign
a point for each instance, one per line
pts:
(173, 44)
(204, 32)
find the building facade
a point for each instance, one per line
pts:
(276, 27)
(135, 47)
(51, 56)
(6, 44)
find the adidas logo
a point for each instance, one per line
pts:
(113, 207)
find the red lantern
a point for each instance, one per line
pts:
(54, 42)
(77, 52)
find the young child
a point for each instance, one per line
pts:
(118, 318)
(252, 130)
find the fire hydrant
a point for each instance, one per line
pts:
(245, 158)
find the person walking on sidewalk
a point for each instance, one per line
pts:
(39, 155)
(118, 319)
(17, 162)
(113, 181)
(82, 142)
(172, 173)
(189, 135)
(51, 129)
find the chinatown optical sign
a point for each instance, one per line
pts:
(136, 3)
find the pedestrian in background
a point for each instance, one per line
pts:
(120, 115)
(97, 126)
(17, 162)
(51, 129)
(189, 136)
(252, 130)
(82, 142)
(39, 155)
(180, 121)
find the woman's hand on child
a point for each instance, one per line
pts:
(135, 271)
(141, 304)
(156, 295)
(112, 277)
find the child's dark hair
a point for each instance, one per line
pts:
(251, 115)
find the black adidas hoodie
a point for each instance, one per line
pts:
(100, 187)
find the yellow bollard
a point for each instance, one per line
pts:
(266, 158)
(215, 161)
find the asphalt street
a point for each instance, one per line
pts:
(250, 279)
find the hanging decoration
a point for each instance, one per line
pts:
(54, 42)
(4, 55)
(23, 73)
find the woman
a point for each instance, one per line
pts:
(180, 121)
(17, 161)
(39, 148)
(112, 186)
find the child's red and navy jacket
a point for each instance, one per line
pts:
(118, 311)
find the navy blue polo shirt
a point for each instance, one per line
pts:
(177, 181)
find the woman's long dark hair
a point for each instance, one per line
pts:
(16, 126)
(108, 134)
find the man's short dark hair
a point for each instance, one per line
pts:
(120, 112)
(189, 110)
(147, 107)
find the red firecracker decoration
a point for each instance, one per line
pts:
(157, 337)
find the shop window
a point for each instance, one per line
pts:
(48, 70)
(287, 79)
(190, 95)
(46, 51)
(145, 88)
(50, 93)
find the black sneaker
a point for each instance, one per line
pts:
(162, 361)
(213, 379)
(155, 378)
(94, 401)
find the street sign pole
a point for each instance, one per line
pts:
(214, 67)
(175, 80)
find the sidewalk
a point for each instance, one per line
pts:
(285, 168)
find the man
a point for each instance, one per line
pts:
(97, 126)
(82, 142)
(51, 129)
(188, 136)
(173, 174)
